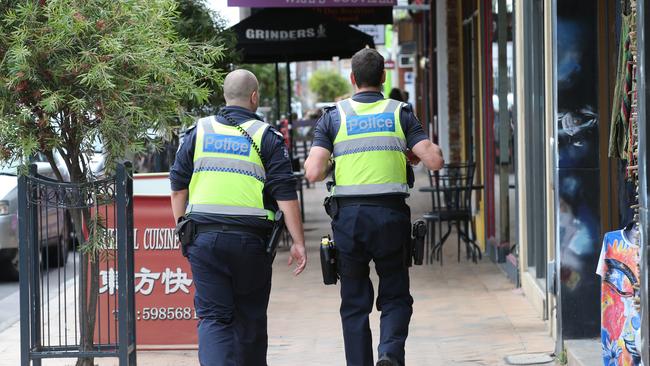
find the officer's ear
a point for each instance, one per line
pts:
(255, 97)
(383, 77)
(353, 81)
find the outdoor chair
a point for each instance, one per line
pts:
(451, 197)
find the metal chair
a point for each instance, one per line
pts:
(451, 198)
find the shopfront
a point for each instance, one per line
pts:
(581, 111)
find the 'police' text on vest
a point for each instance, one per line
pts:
(381, 122)
(224, 144)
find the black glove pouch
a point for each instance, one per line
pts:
(185, 229)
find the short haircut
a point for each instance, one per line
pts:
(368, 67)
(239, 85)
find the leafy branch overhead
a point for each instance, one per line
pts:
(74, 72)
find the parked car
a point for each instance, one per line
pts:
(56, 224)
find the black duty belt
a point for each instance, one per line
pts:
(397, 203)
(204, 228)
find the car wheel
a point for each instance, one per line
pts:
(10, 265)
(57, 255)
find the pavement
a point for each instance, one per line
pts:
(464, 313)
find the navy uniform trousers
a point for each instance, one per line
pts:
(232, 278)
(363, 233)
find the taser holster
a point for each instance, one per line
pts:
(419, 233)
(276, 233)
(185, 229)
(328, 260)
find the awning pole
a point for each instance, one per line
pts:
(277, 94)
(289, 118)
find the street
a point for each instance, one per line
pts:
(9, 292)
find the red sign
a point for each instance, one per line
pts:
(164, 289)
(389, 64)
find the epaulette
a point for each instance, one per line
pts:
(329, 108)
(187, 130)
(272, 129)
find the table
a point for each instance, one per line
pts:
(437, 248)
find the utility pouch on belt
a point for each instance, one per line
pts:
(328, 260)
(276, 233)
(419, 233)
(331, 206)
(185, 229)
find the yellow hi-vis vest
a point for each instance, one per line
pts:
(229, 176)
(369, 149)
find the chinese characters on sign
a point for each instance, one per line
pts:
(145, 281)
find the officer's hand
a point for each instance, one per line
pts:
(297, 253)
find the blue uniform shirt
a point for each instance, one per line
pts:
(328, 125)
(280, 183)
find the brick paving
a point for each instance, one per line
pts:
(464, 313)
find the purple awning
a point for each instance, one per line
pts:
(309, 3)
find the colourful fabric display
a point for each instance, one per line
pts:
(620, 318)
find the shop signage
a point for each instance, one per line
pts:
(319, 31)
(389, 64)
(352, 15)
(377, 31)
(309, 3)
(164, 288)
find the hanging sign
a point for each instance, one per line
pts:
(377, 31)
(164, 287)
(309, 3)
(350, 15)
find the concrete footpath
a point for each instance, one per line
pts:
(464, 313)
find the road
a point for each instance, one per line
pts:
(10, 295)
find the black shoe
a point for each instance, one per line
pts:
(385, 360)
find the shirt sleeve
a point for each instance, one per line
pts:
(181, 171)
(323, 132)
(412, 127)
(280, 182)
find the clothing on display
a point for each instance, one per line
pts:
(620, 317)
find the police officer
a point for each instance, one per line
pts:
(368, 136)
(229, 172)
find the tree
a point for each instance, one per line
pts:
(199, 24)
(77, 71)
(265, 74)
(328, 85)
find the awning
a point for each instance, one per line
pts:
(283, 35)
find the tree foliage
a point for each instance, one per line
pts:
(76, 71)
(265, 74)
(199, 24)
(328, 85)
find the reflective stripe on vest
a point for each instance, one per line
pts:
(226, 210)
(228, 176)
(230, 165)
(369, 149)
(371, 189)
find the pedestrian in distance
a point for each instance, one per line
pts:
(368, 137)
(231, 174)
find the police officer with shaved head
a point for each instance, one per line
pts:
(368, 137)
(231, 174)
